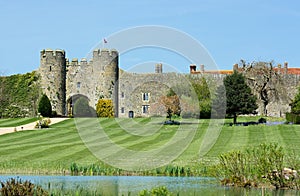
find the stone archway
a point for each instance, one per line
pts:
(72, 100)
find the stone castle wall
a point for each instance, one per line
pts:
(274, 90)
(53, 73)
(63, 81)
(134, 87)
(95, 79)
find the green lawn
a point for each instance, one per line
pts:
(54, 149)
(13, 122)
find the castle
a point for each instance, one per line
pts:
(136, 94)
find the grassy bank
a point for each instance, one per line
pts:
(54, 150)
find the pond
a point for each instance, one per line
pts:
(132, 185)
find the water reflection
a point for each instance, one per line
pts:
(124, 185)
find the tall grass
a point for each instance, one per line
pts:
(256, 166)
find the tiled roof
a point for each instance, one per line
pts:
(294, 71)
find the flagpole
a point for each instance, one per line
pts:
(104, 42)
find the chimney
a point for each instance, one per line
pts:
(192, 68)
(279, 68)
(158, 68)
(235, 67)
(286, 67)
(202, 68)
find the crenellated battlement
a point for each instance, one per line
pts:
(105, 52)
(74, 62)
(53, 53)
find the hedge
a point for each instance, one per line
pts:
(293, 118)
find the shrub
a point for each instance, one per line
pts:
(156, 191)
(54, 114)
(104, 108)
(293, 118)
(264, 163)
(43, 123)
(45, 108)
(17, 187)
(262, 120)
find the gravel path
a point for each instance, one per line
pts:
(30, 126)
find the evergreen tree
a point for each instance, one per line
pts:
(239, 98)
(104, 108)
(45, 108)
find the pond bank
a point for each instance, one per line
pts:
(125, 185)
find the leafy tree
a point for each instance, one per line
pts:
(201, 89)
(82, 108)
(45, 108)
(295, 105)
(219, 103)
(239, 98)
(104, 108)
(196, 89)
(172, 104)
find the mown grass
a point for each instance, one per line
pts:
(53, 150)
(13, 122)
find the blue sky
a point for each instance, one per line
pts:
(256, 30)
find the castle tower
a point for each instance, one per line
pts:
(106, 72)
(53, 78)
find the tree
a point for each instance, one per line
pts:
(82, 108)
(45, 108)
(239, 98)
(172, 104)
(265, 81)
(219, 103)
(104, 108)
(201, 88)
(295, 105)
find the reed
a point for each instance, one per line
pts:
(257, 166)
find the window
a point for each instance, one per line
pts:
(146, 96)
(78, 84)
(145, 109)
(50, 68)
(122, 110)
(122, 95)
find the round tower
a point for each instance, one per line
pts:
(53, 78)
(106, 73)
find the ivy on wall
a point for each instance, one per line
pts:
(19, 95)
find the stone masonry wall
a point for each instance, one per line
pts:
(95, 79)
(53, 73)
(133, 86)
(62, 80)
